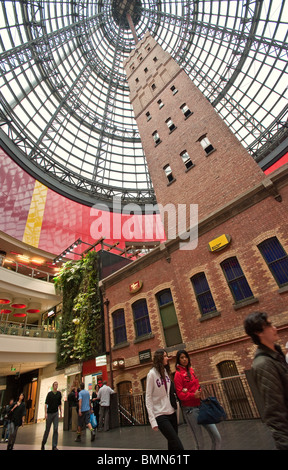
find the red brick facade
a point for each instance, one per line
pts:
(235, 198)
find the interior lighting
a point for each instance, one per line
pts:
(5, 298)
(67, 251)
(23, 258)
(19, 303)
(5, 311)
(33, 307)
(37, 261)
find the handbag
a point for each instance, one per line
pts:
(210, 411)
(93, 420)
(172, 395)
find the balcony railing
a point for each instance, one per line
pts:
(36, 331)
(33, 272)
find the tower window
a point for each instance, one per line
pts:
(206, 145)
(185, 110)
(276, 259)
(145, 70)
(155, 59)
(171, 125)
(148, 115)
(156, 138)
(237, 282)
(168, 173)
(186, 159)
(137, 80)
(174, 90)
(153, 86)
(160, 103)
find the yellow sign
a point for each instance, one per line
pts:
(219, 243)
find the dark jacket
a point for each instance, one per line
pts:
(270, 372)
(18, 413)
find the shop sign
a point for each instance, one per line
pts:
(219, 243)
(135, 287)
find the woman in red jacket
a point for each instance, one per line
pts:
(189, 392)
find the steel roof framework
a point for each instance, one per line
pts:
(65, 112)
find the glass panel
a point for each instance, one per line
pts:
(141, 317)
(236, 279)
(203, 294)
(276, 258)
(173, 335)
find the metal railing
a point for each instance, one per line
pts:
(16, 329)
(34, 273)
(233, 393)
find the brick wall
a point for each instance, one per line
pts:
(221, 337)
(203, 184)
(228, 176)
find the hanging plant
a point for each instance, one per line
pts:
(81, 335)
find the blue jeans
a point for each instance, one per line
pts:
(51, 418)
(191, 415)
(12, 435)
(168, 426)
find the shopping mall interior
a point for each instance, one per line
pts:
(145, 142)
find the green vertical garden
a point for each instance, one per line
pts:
(81, 333)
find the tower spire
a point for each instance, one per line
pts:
(131, 24)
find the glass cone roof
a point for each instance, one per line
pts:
(65, 114)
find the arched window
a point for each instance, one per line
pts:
(168, 173)
(276, 259)
(185, 110)
(141, 318)
(203, 294)
(119, 327)
(206, 145)
(236, 280)
(234, 390)
(124, 388)
(186, 159)
(169, 318)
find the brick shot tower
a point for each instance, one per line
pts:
(192, 156)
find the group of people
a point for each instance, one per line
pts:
(161, 409)
(270, 373)
(15, 415)
(98, 404)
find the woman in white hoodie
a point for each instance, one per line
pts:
(161, 413)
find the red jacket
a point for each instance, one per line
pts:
(182, 381)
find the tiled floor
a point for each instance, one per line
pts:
(236, 435)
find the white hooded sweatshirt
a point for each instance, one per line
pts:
(157, 397)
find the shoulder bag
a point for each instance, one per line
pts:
(173, 396)
(211, 412)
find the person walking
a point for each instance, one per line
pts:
(17, 419)
(7, 419)
(95, 403)
(270, 374)
(188, 391)
(84, 413)
(52, 410)
(162, 415)
(104, 396)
